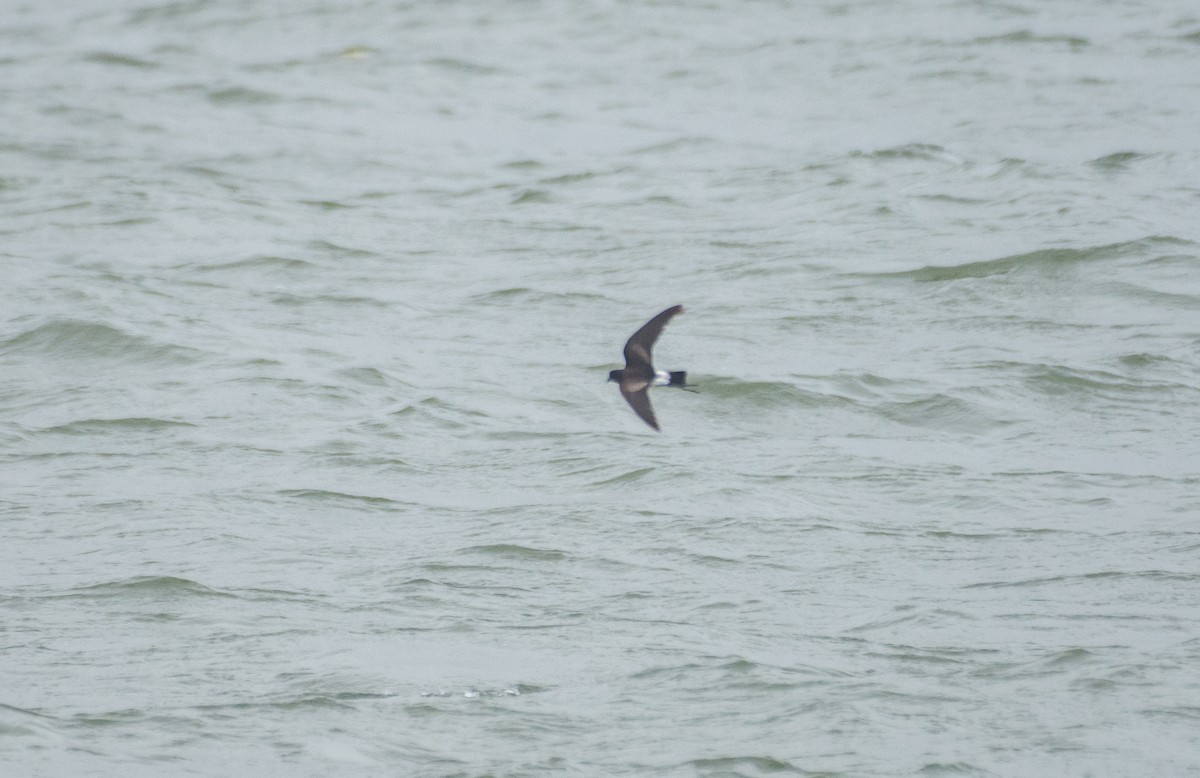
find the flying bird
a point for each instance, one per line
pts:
(639, 374)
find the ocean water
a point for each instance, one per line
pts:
(308, 465)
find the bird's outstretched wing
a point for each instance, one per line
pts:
(637, 349)
(640, 402)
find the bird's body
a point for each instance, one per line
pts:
(639, 373)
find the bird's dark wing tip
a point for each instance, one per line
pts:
(639, 344)
(640, 402)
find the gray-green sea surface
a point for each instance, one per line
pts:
(308, 465)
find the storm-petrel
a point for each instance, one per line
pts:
(639, 374)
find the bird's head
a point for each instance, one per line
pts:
(615, 375)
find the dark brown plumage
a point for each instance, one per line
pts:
(639, 373)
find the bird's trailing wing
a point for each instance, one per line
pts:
(640, 402)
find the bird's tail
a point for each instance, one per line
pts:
(678, 378)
